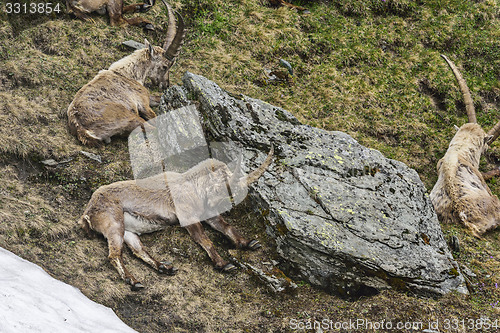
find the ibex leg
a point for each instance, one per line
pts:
(490, 174)
(141, 22)
(146, 112)
(222, 226)
(113, 230)
(124, 121)
(78, 13)
(116, 10)
(138, 7)
(135, 244)
(198, 234)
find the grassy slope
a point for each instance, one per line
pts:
(367, 67)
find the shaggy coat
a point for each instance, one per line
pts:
(115, 102)
(123, 210)
(461, 194)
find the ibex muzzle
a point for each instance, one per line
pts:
(461, 194)
(123, 210)
(116, 101)
(115, 10)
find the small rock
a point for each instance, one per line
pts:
(50, 162)
(454, 244)
(92, 156)
(53, 163)
(287, 65)
(134, 45)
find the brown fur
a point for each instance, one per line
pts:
(123, 210)
(461, 193)
(114, 8)
(115, 101)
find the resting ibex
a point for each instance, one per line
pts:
(116, 101)
(114, 8)
(461, 194)
(123, 210)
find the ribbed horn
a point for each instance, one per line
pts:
(171, 26)
(175, 34)
(493, 133)
(237, 171)
(469, 106)
(254, 175)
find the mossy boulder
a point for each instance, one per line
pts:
(343, 217)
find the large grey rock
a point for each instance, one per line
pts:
(343, 216)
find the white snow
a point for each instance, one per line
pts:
(32, 301)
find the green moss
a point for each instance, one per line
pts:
(454, 272)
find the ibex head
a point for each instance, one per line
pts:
(164, 58)
(219, 182)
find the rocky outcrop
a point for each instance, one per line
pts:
(343, 216)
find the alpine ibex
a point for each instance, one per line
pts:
(116, 101)
(123, 210)
(461, 194)
(114, 8)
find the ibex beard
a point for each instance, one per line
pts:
(115, 102)
(123, 210)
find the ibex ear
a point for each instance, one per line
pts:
(150, 47)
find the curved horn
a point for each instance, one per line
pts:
(493, 133)
(175, 34)
(237, 171)
(469, 106)
(171, 26)
(254, 175)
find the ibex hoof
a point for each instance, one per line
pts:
(228, 268)
(167, 268)
(254, 245)
(137, 286)
(144, 8)
(149, 26)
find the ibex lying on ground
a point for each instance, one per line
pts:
(461, 194)
(114, 8)
(115, 101)
(123, 210)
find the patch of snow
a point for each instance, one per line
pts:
(32, 301)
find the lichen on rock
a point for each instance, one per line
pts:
(343, 217)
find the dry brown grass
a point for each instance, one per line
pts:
(375, 74)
